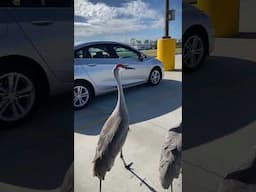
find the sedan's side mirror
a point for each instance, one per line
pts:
(141, 57)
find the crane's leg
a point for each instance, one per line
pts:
(127, 166)
(171, 188)
(100, 185)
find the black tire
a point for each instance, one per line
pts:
(151, 80)
(28, 79)
(200, 58)
(85, 87)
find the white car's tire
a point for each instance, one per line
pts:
(19, 94)
(155, 77)
(83, 94)
(194, 49)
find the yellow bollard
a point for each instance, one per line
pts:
(224, 14)
(166, 50)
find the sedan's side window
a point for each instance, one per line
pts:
(79, 54)
(99, 51)
(4, 3)
(27, 3)
(59, 3)
(123, 52)
(82, 53)
(41, 3)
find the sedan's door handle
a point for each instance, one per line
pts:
(91, 65)
(42, 22)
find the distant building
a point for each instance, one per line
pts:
(143, 45)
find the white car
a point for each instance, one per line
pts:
(197, 36)
(33, 35)
(94, 62)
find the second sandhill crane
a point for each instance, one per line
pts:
(170, 161)
(113, 134)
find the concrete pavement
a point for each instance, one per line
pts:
(36, 154)
(219, 107)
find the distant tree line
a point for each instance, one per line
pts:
(149, 44)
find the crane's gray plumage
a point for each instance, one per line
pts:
(113, 133)
(170, 161)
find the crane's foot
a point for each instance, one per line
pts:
(127, 166)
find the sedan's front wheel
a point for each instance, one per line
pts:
(17, 96)
(82, 94)
(194, 49)
(155, 77)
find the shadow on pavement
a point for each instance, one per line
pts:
(219, 99)
(144, 103)
(37, 153)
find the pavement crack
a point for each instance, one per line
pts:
(204, 169)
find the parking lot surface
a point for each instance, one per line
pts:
(153, 110)
(219, 107)
(36, 154)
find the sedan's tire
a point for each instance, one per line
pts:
(83, 94)
(155, 77)
(19, 94)
(194, 49)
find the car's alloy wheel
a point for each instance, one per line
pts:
(81, 96)
(193, 51)
(155, 77)
(17, 96)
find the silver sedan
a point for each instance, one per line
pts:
(94, 62)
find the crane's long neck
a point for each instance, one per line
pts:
(121, 104)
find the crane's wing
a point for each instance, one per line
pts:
(107, 134)
(167, 157)
(170, 158)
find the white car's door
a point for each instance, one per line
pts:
(131, 58)
(99, 64)
(48, 25)
(3, 20)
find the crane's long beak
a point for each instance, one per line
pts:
(127, 67)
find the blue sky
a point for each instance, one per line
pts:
(121, 20)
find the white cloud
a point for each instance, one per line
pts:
(102, 19)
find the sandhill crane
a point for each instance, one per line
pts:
(113, 133)
(170, 161)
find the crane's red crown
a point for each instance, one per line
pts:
(120, 65)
